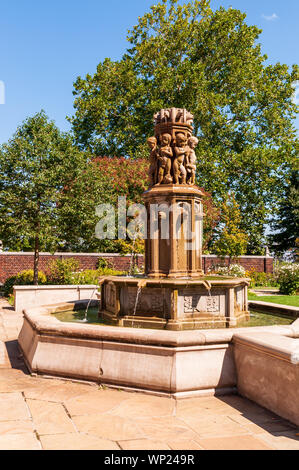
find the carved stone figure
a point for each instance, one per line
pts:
(191, 160)
(152, 143)
(180, 150)
(165, 154)
(172, 160)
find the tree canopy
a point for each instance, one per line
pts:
(286, 223)
(36, 166)
(210, 63)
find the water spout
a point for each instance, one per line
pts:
(88, 304)
(140, 284)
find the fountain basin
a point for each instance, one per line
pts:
(176, 363)
(174, 304)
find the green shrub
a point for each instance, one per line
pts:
(66, 271)
(288, 278)
(102, 263)
(23, 278)
(61, 271)
(235, 270)
(91, 276)
(261, 279)
(8, 285)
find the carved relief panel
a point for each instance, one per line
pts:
(195, 302)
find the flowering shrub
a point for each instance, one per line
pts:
(288, 278)
(91, 276)
(61, 271)
(23, 278)
(232, 270)
(261, 279)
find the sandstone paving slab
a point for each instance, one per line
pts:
(214, 426)
(145, 405)
(16, 427)
(143, 444)
(15, 374)
(166, 429)
(57, 391)
(4, 359)
(184, 444)
(288, 440)
(96, 401)
(2, 333)
(50, 418)
(270, 426)
(27, 441)
(234, 443)
(13, 380)
(13, 407)
(203, 406)
(76, 441)
(114, 428)
(249, 409)
(11, 384)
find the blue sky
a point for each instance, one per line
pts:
(45, 45)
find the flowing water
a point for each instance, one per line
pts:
(85, 319)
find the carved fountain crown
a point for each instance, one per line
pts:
(172, 154)
(173, 115)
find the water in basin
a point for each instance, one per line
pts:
(256, 318)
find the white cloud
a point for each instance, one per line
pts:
(272, 17)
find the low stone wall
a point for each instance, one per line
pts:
(177, 363)
(35, 296)
(268, 371)
(275, 309)
(13, 262)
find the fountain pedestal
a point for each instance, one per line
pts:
(174, 304)
(174, 231)
(174, 294)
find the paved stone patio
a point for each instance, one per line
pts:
(39, 413)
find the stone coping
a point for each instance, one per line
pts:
(66, 253)
(64, 286)
(281, 347)
(185, 282)
(41, 320)
(273, 307)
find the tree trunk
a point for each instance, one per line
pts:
(36, 260)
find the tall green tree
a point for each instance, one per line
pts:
(210, 63)
(286, 223)
(229, 239)
(36, 166)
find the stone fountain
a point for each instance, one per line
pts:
(260, 362)
(174, 294)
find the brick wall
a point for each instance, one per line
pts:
(13, 262)
(258, 263)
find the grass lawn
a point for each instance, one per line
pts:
(292, 300)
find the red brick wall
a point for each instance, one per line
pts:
(258, 263)
(12, 263)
